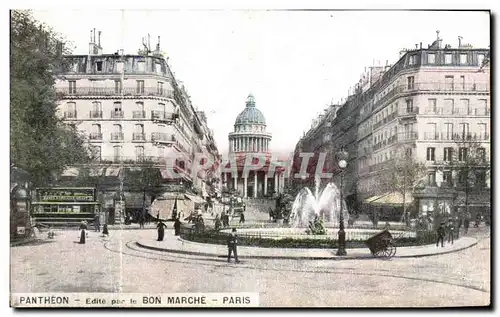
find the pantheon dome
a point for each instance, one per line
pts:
(249, 133)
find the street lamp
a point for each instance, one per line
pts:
(342, 157)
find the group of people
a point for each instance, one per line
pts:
(83, 229)
(451, 228)
(222, 221)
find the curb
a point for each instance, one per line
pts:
(281, 257)
(23, 242)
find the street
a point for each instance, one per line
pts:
(116, 264)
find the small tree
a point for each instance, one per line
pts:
(402, 175)
(472, 165)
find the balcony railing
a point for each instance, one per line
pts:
(162, 137)
(70, 115)
(131, 159)
(481, 112)
(95, 136)
(95, 114)
(408, 136)
(162, 115)
(408, 111)
(116, 114)
(116, 136)
(112, 91)
(138, 137)
(470, 136)
(431, 87)
(139, 114)
(431, 136)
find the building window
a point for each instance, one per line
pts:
(141, 66)
(119, 66)
(462, 82)
(465, 106)
(432, 105)
(481, 154)
(139, 153)
(117, 106)
(118, 86)
(431, 58)
(117, 153)
(448, 154)
(72, 86)
(98, 66)
(447, 178)
(449, 106)
(409, 105)
(462, 154)
(481, 178)
(412, 60)
(159, 88)
(480, 59)
(448, 131)
(448, 59)
(464, 131)
(411, 82)
(158, 68)
(431, 179)
(140, 87)
(463, 59)
(430, 153)
(448, 82)
(483, 131)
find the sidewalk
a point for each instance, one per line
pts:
(175, 244)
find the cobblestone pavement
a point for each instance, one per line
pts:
(116, 264)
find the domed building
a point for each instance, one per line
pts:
(250, 136)
(249, 131)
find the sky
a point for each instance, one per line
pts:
(295, 63)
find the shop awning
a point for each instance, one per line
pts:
(113, 171)
(373, 198)
(196, 199)
(163, 208)
(393, 198)
(71, 172)
(96, 171)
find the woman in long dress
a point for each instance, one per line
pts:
(83, 227)
(161, 230)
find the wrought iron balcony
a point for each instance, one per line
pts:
(138, 137)
(139, 114)
(116, 137)
(112, 91)
(70, 115)
(95, 114)
(117, 114)
(160, 137)
(95, 137)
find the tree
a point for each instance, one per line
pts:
(41, 143)
(471, 163)
(403, 175)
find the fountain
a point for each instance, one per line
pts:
(326, 205)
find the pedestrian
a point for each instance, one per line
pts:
(161, 230)
(466, 224)
(242, 217)
(177, 227)
(141, 221)
(218, 223)
(451, 230)
(478, 220)
(440, 234)
(97, 223)
(83, 233)
(105, 231)
(232, 246)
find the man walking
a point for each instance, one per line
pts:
(440, 234)
(242, 218)
(466, 223)
(451, 230)
(232, 246)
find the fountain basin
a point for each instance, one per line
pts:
(300, 233)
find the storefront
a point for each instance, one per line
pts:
(65, 205)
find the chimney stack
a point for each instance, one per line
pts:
(99, 39)
(420, 45)
(416, 46)
(90, 36)
(94, 35)
(460, 41)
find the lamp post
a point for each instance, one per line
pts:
(342, 157)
